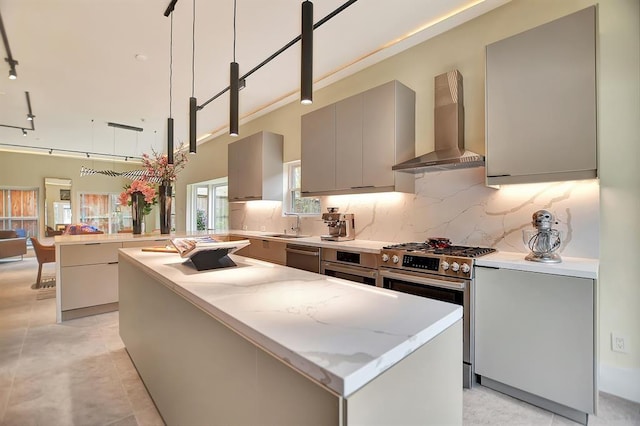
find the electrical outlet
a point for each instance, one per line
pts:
(619, 343)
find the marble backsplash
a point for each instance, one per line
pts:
(454, 204)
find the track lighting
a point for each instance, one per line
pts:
(170, 119)
(24, 132)
(50, 151)
(306, 65)
(88, 156)
(193, 109)
(234, 83)
(30, 117)
(12, 62)
(193, 102)
(233, 101)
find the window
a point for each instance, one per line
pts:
(104, 212)
(209, 206)
(293, 202)
(19, 210)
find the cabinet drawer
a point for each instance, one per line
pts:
(89, 285)
(89, 253)
(160, 242)
(270, 251)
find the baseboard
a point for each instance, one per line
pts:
(619, 381)
(90, 310)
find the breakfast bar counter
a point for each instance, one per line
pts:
(260, 343)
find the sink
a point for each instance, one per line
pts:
(288, 236)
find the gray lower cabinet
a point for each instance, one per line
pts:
(351, 145)
(541, 103)
(255, 168)
(535, 338)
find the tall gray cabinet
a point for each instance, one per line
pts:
(351, 145)
(541, 103)
(255, 167)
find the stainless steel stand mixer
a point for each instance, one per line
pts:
(544, 240)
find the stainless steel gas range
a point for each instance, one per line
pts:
(437, 270)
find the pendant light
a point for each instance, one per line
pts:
(193, 102)
(234, 83)
(306, 66)
(170, 119)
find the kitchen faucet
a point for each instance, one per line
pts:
(297, 227)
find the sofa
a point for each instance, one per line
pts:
(11, 245)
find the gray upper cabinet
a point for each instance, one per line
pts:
(319, 150)
(541, 103)
(255, 168)
(350, 146)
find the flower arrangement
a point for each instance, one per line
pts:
(157, 166)
(144, 187)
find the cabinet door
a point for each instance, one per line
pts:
(89, 285)
(349, 142)
(319, 150)
(541, 103)
(535, 332)
(245, 168)
(378, 139)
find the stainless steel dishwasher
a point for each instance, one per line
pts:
(303, 257)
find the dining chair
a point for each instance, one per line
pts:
(44, 254)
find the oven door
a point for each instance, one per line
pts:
(351, 273)
(452, 290)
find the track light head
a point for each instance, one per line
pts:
(30, 117)
(12, 74)
(88, 156)
(24, 132)
(306, 64)
(234, 83)
(50, 151)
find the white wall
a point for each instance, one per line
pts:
(481, 215)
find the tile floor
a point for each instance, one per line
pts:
(78, 372)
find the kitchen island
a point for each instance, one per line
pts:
(265, 344)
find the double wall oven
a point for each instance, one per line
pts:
(441, 272)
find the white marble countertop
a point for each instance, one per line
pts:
(363, 246)
(570, 266)
(340, 333)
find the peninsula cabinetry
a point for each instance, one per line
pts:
(541, 103)
(350, 146)
(535, 338)
(255, 168)
(87, 275)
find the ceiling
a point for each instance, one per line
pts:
(89, 62)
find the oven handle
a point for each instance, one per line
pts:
(347, 270)
(423, 280)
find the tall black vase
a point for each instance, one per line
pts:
(137, 211)
(164, 199)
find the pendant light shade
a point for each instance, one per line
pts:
(306, 66)
(170, 140)
(234, 86)
(193, 109)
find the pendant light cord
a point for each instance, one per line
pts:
(171, 67)
(193, 50)
(234, 30)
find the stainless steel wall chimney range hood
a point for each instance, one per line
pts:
(449, 151)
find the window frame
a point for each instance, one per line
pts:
(289, 190)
